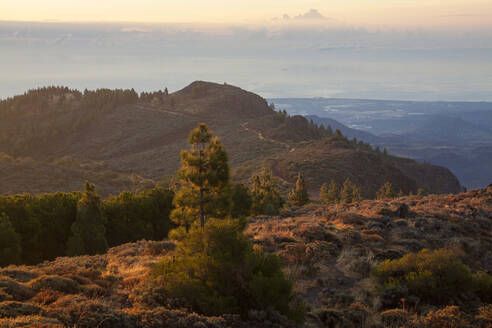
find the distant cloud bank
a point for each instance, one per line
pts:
(304, 55)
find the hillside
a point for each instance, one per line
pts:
(346, 131)
(119, 140)
(328, 252)
(456, 135)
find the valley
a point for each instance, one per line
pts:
(456, 135)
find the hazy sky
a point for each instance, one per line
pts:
(386, 49)
(417, 13)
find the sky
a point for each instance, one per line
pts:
(416, 13)
(377, 49)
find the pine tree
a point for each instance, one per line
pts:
(88, 232)
(298, 196)
(265, 194)
(421, 193)
(323, 193)
(356, 195)
(330, 194)
(329, 130)
(240, 200)
(217, 270)
(10, 242)
(204, 179)
(386, 191)
(347, 193)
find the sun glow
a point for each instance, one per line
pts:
(416, 13)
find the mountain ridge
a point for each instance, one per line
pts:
(139, 137)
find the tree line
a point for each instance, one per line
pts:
(43, 227)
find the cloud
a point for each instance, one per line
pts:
(310, 18)
(312, 15)
(135, 30)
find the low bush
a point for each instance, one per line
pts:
(216, 271)
(485, 315)
(395, 318)
(57, 283)
(16, 290)
(483, 286)
(434, 276)
(30, 321)
(78, 311)
(14, 309)
(448, 317)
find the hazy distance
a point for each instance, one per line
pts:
(304, 54)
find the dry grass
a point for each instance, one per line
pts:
(357, 236)
(328, 253)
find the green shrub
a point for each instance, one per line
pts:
(88, 231)
(240, 200)
(10, 242)
(265, 195)
(483, 286)
(135, 216)
(434, 276)
(34, 228)
(216, 270)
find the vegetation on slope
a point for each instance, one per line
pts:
(42, 224)
(126, 141)
(331, 250)
(216, 270)
(328, 251)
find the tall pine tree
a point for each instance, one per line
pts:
(88, 231)
(204, 180)
(347, 193)
(386, 191)
(298, 196)
(265, 195)
(330, 194)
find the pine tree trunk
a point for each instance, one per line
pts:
(202, 218)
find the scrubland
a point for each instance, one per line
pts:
(329, 252)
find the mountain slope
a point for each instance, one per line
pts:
(131, 135)
(327, 251)
(346, 131)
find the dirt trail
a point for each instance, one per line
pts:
(245, 127)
